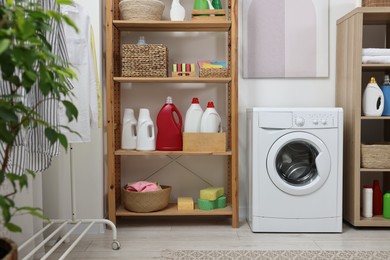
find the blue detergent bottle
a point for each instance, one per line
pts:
(386, 93)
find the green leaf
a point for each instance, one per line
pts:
(8, 115)
(12, 227)
(71, 110)
(63, 140)
(51, 134)
(4, 44)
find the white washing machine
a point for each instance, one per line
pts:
(295, 169)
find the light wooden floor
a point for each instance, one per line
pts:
(146, 238)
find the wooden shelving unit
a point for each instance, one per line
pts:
(114, 27)
(351, 79)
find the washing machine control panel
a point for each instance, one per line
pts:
(314, 119)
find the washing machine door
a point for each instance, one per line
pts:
(298, 163)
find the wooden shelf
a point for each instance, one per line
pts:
(374, 170)
(171, 210)
(371, 15)
(375, 221)
(375, 67)
(156, 153)
(375, 118)
(169, 26)
(172, 80)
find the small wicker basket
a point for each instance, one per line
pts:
(376, 156)
(375, 3)
(146, 201)
(141, 9)
(145, 60)
(213, 72)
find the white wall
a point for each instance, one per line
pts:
(286, 92)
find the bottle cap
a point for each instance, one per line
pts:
(367, 187)
(210, 104)
(372, 80)
(141, 40)
(169, 100)
(195, 100)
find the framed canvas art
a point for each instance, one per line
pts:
(285, 38)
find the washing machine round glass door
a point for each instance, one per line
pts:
(298, 163)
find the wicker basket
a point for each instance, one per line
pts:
(375, 156)
(146, 201)
(146, 60)
(374, 3)
(141, 9)
(213, 72)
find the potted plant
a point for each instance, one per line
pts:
(28, 65)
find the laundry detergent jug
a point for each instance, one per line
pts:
(211, 121)
(373, 100)
(129, 130)
(193, 117)
(169, 124)
(146, 139)
(386, 94)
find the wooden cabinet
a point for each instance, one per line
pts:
(354, 32)
(114, 85)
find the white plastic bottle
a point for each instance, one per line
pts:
(211, 121)
(129, 130)
(373, 99)
(146, 138)
(177, 12)
(193, 117)
(367, 201)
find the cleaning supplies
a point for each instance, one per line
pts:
(373, 99)
(367, 201)
(211, 121)
(169, 124)
(211, 193)
(129, 130)
(185, 203)
(386, 205)
(386, 94)
(146, 139)
(193, 117)
(177, 12)
(377, 199)
(220, 202)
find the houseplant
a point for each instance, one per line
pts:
(28, 65)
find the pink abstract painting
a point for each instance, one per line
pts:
(285, 38)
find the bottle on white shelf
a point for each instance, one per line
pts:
(146, 138)
(193, 117)
(211, 121)
(129, 130)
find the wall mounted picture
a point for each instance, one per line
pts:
(285, 38)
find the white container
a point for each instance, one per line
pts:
(373, 99)
(177, 12)
(129, 130)
(146, 138)
(211, 121)
(367, 198)
(193, 117)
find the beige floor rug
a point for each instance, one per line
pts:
(274, 254)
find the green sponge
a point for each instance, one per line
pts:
(212, 204)
(211, 193)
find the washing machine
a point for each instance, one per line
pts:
(295, 169)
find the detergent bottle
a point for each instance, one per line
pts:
(386, 94)
(129, 130)
(169, 125)
(211, 121)
(193, 117)
(146, 139)
(373, 99)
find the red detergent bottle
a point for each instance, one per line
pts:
(169, 125)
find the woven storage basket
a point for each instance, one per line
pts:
(141, 9)
(146, 201)
(375, 156)
(374, 3)
(213, 72)
(145, 60)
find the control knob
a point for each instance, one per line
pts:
(300, 121)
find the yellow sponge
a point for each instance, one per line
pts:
(185, 203)
(211, 193)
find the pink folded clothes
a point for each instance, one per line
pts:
(143, 186)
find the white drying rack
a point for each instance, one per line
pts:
(63, 222)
